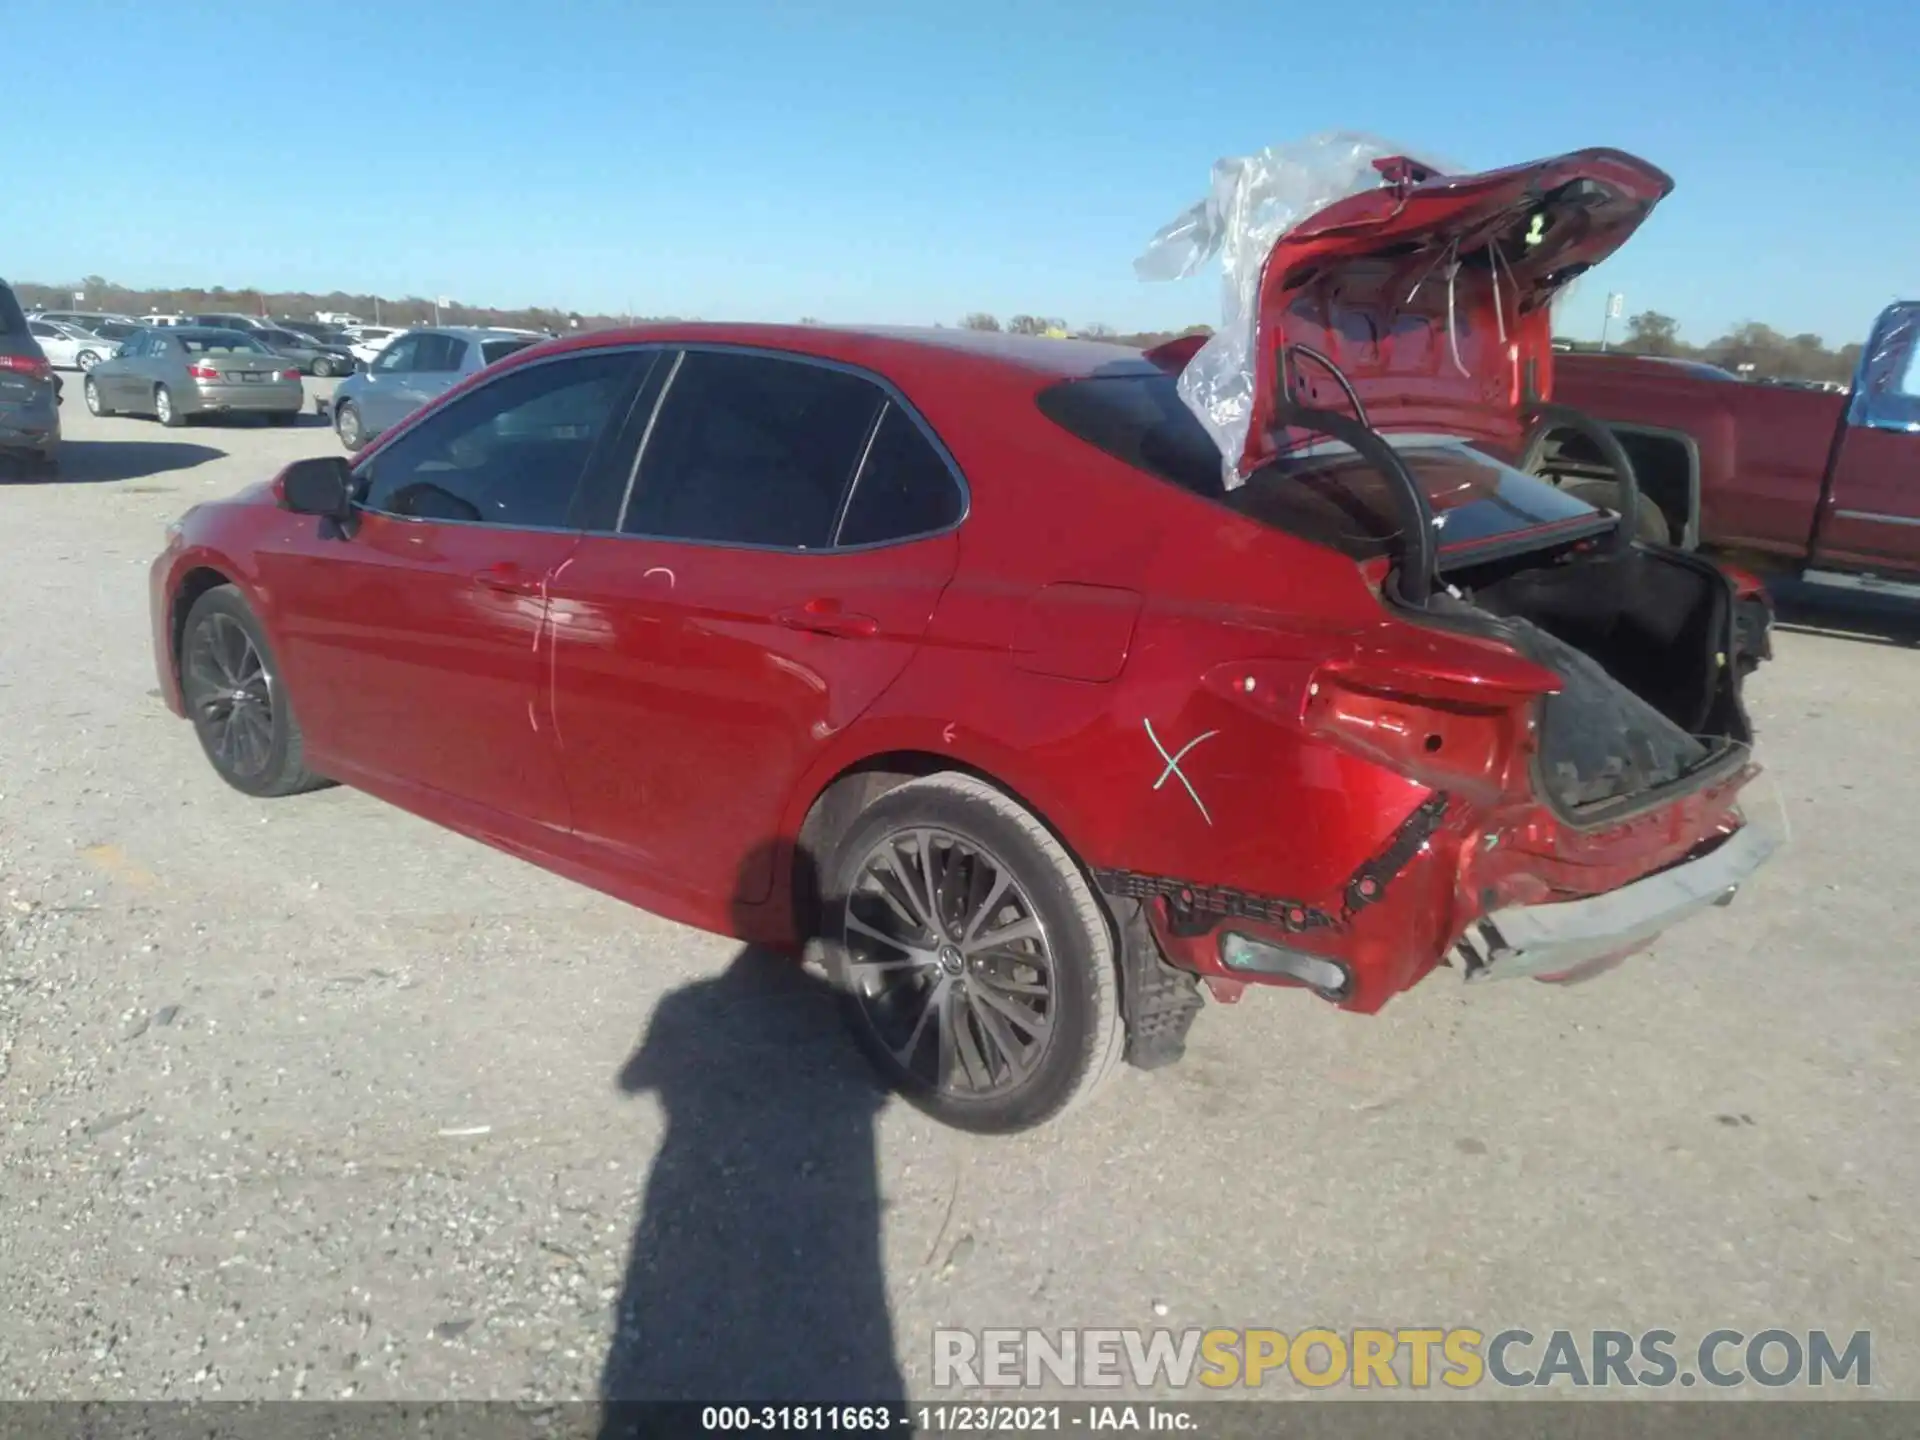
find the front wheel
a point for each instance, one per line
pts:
(322, 368)
(346, 424)
(91, 393)
(86, 360)
(239, 707)
(976, 960)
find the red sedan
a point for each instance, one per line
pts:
(966, 660)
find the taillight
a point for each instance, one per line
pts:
(289, 374)
(1470, 750)
(32, 366)
(203, 372)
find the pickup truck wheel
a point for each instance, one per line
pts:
(976, 961)
(1650, 524)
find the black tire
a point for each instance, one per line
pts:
(164, 410)
(346, 424)
(973, 833)
(96, 405)
(1650, 524)
(322, 368)
(254, 744)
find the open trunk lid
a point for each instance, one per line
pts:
(1367, 283)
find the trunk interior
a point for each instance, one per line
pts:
(1643, 639)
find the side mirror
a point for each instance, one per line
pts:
(322, 486)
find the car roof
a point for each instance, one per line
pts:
(468, 332)
(881, 346)
(201, 332)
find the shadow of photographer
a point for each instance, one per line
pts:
(755, 1271)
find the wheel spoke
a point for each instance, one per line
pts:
(892, 887)
(985, 909)
(1025, 928)
(935, 998)
(935, 920)
(910, 890)
(999, 1036)
(985, 976)
(975, 1068)
(1032, 1021)
(947, 1056)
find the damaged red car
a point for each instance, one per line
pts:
(972, 664)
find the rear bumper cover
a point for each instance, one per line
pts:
(266, 396)
(1553, 939)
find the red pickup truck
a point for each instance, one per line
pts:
(1824, 487)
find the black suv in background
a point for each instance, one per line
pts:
(29, 398)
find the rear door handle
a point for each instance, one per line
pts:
(508, 579)
(825, 617)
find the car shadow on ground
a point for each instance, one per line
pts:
(755, 1271)
(96, 462)
(1802, 609)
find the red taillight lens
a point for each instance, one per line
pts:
(289, 374)
(1470, 750)
(203, 372)
(29, 365)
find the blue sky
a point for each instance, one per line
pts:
(914, 161)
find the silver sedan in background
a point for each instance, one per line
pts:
(178, 372)
(411, 371)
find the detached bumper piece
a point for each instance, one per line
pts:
(1549, 940)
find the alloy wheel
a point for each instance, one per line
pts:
(162, 405)
(230, 695)
(950, 963)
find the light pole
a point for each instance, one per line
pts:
(1616, 302)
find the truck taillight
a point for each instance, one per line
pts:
(32, 366)
(203, 372)
(1470, 750)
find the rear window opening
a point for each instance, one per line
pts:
(492, 350)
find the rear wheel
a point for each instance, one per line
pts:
(91, 393)
(976, 960)
(163, 408)
(239, 708)
(346, 424)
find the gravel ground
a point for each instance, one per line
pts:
(308, 1098)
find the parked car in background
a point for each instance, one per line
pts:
(1790, 480)
(228, 320)
(413, 369)
(29, 397)
(178, 373)
(68, 347)
(367, 341)
(113, 327)
(311, 355)
(319, 330)
(164, 321)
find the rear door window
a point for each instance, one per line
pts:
(751, 449)
(492, 350)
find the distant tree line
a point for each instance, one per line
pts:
(1772, 355)
(105, 295)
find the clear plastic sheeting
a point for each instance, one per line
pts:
(1253, 201)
